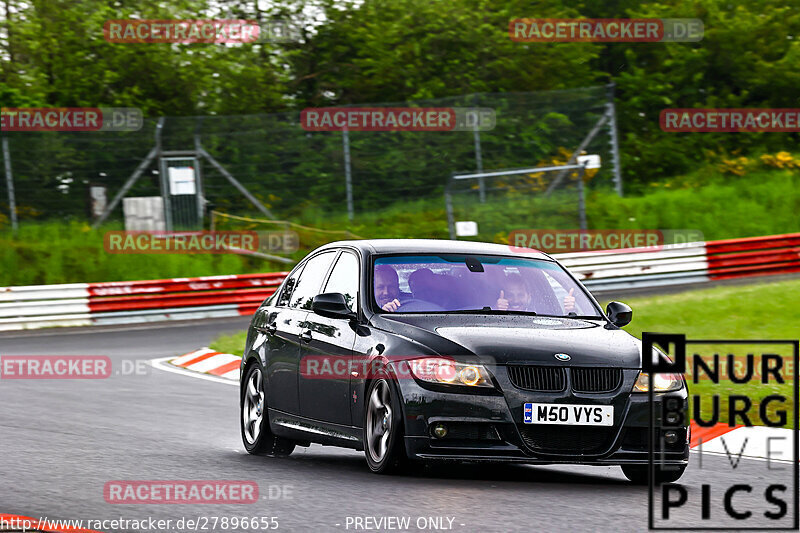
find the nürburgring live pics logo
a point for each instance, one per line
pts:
(754, 495)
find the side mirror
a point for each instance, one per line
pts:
(332, 305)
(619, 314)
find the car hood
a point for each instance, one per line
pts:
(520, 339)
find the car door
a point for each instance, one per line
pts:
(324, 381)
(284, 330)
(277, 338)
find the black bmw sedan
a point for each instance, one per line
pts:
(427, 350)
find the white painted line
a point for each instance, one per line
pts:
(163, 364)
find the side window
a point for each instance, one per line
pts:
(288, 287)
(310, 281)
(344, 279)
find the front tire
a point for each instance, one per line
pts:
(257, 436)
(663, 474)
(383, 428)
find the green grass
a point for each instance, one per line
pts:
(61, 252)
(763, 310)
(764, 202)
(759, 311)
(233, 343)
(760, 203)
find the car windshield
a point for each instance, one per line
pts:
(479, 284)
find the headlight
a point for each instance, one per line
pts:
(661, 382)
(448, 372)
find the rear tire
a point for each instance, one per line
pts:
(663, 474)
(384, 445)
(257, 436)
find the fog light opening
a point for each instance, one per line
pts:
(670, 437)
(440, 431)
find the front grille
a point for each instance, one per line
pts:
(554, 379)
(596, 379)
(566, 440)
(538, 378)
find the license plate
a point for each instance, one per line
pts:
(568, 414)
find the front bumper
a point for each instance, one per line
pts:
(488, 427)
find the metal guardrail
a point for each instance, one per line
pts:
(690, 263)
(636, 268)
(125, 302)
(736, 258)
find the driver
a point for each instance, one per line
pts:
(387, 288)
(517, 297)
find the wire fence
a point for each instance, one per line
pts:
(302, 175)
(551, 197)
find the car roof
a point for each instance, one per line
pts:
(414, 246)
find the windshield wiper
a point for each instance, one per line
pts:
(490, 311)
(583, 317)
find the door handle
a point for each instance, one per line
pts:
(305, 336)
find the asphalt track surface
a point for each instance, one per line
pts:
(62, 440)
